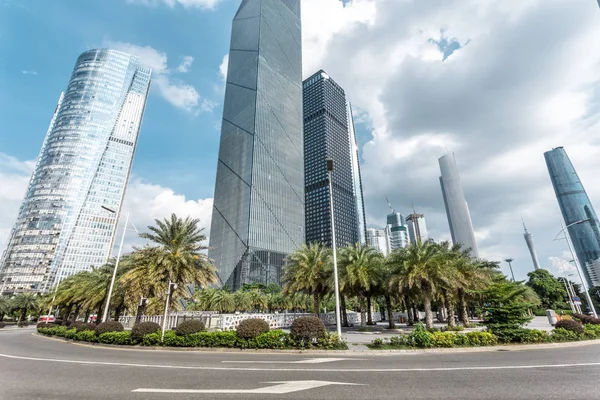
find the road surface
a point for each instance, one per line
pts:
(33, 367)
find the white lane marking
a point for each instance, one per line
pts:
(280, 388)
(302, 369)
(307, 361)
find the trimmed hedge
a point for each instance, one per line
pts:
(587, 319)
(252, 327)
(109, 326)
(143, 328)
(570, 325)
(121, 338)
(307, 330)
(189, 327)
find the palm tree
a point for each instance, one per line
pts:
(308, 270)
(397, 264)
(177, 257)
(243, 300)
(423, 269)
(4, 307)
(476, 275)
(25, 302)
(360, 264)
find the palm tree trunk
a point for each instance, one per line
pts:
(416, 316)
(369, 311)
(317, 303)
(1, 316)
(76, 313)
(450, 308)
(390, 312)
(363, 313)
(462, 308)
(409, 311)
(23, 315)
(344, 313)
(428, 312)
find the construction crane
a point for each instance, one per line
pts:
(390, 205)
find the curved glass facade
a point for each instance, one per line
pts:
(457, 209)
(575, 206)
(258, 213)
(84, 164)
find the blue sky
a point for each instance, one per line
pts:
(492, 81)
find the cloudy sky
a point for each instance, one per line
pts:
(497, 82)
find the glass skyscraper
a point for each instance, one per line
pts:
(329, 133)
(457, 209)
(397, 231)
(258, 213)
(575, 206)
(84, 164)
(417, 230)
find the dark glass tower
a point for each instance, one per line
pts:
(258, 214)
(575, 206)
(329, 133)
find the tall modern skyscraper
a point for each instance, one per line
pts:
(397, 231)
(329, 133)
(457, 209)
(379, 240)
(84, 164)
(258, 214)
(417, 230)
(575, 206)
(529, 240)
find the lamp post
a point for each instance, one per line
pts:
(509, 261)
(577, 265)
(338, 322)
(164, 322)
(114, 275)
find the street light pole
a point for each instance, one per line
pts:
(577, 264)
(338, 322)
(114, 275)
(164, 322)
(571, 296)
(509, 261)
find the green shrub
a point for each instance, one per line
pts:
(45, 325)
(456, 328)
(331, 341)
(521, 335)
(152, 339)
(482, 338)
(509, 316)
(275, 339)
(420, 337)
(109, 326)
(86, 336)
(189, 327)
(570, 325)
(587, 319)
(399, 341)
(377, 343)
(227, 339)
(307, 330)
(461, 340)
(591, 331)
(443, 339)
(143, 328)
(59, 331)
(70, 333)
(115, 337)
(78, 325)
(90, 326)
(252, 327)
(564, 335)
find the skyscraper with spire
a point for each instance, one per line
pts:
(529, 240)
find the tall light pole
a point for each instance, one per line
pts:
(509, 261)
(577, 265)
(338, 322)
(114, 275)
(164, 322)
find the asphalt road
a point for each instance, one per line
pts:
(33, 367)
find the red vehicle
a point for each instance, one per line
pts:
(46, 318)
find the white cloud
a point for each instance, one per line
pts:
(175, 91)
(186, 64)
(31, 72)
(224, 66)
(145, 201)
(509, 93)
(201, 4)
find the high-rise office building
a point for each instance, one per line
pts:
(379, 240)
(329, 133)
(84, 164)
(397, 231)
(417, 230)
(531, 246)
(457, 209)
(258, 213)
(577, 211)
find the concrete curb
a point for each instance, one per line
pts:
(514, 347)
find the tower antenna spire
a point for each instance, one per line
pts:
(524, 227)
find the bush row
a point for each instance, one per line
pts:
(587, 319)
(275, 339)
(421, 338)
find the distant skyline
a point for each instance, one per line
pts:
(490, 81)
